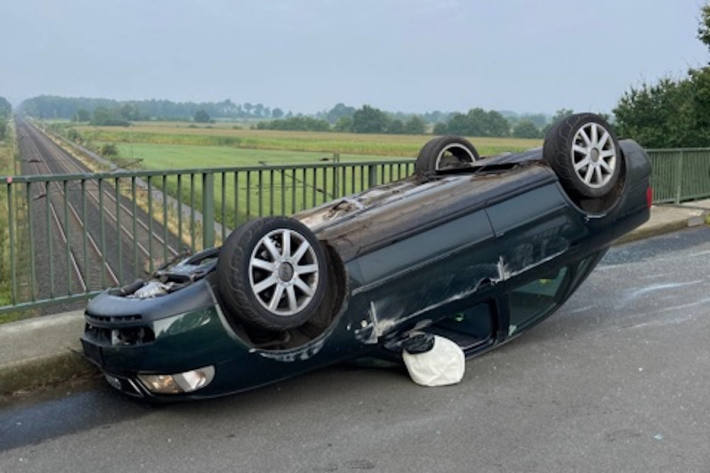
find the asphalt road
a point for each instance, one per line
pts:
(616, 381)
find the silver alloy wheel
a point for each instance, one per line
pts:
(283, 280)
(456, 154)
(593, 155)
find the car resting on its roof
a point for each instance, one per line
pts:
(473, 249)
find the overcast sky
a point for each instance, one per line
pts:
(409, 55)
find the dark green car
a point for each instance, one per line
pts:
(473, 249)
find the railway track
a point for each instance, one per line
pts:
(92, 234)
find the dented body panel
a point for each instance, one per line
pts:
(464, 254)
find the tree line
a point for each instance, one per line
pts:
(341, 117)
(5, 113)
(83, 109)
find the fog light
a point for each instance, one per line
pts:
(178, 383)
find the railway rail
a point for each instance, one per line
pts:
(90, 222)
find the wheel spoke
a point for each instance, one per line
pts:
(598, 172)
(291, 292)
(300, 251)
(606, 154)
(581, 149)
(595, 134)
(306, 269)
(273, 251)
(261, 264)
(585, 137)
(588, 175)
(265, 284)
(603, 140)
(276, 297)
(581, 164)
(303, 286)
(605, 165)
(286, 244)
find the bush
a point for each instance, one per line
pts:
(73, 135)
(3, 129)
(109, 150)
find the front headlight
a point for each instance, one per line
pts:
(186, 382)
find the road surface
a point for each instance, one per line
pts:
(616, 381)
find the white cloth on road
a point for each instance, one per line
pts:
(443, 365)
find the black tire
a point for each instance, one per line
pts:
(238, 278)
(445, 152)
(568, 145)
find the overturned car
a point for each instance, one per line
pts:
(477, 250)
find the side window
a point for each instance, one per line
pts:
(535, 299)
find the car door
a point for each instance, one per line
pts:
(531, 229)
(421, 275)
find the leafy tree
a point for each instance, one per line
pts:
(82, 115)
(129, 111)
(5, 108)
(441, 129)
(369, 120)
(108, 117)
(670, 113)
(415, 126)
(704, 26)
(477, 122)
(201, 117)
(496, 125)
(3, 128)
(344, 124)
(526, 129)
(340, 110)
(395, 127)
(277, 113)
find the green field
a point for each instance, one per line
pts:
(322, 142)
(159, 156)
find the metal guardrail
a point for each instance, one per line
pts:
(680, 174)
(71, 235)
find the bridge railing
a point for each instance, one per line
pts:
(69, 236)
(680, 174)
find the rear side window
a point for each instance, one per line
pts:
(535, 299)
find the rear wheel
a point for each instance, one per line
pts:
(445, 152)
(272, 273)
(585, 154)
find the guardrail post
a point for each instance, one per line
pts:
(679, 178)
(372, 175)
(207, 210)
(336, 180)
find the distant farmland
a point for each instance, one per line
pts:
(170, 145)
(221, 135)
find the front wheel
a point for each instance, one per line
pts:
(272, 273)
